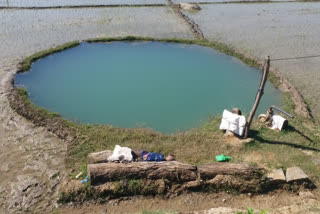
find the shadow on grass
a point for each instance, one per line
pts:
(293, 129)
(254, 134)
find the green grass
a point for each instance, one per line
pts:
(40, 111)
(223, 48)
(155, 212)
(26, 63)
(274, 79)
(251, 211)
(296, 146)
(269, 149)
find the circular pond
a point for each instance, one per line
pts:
(164, 86)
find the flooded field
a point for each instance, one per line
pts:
(53, 3)
(26, 31)
(280, 30)
(224, 1)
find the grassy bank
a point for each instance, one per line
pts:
(26, 63)
(223, 48)
(296, 146)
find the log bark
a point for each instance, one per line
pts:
(244, 170)
(258, 97)
(99, 157)
(171, 170)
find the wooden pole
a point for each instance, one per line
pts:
(258, 97)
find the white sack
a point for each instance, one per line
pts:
(118, 151)
(233, 122)
(277, 122)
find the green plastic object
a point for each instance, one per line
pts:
(223, 158)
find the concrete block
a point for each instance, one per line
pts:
(277, 176)
(296, 174)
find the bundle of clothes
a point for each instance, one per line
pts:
(125, 155)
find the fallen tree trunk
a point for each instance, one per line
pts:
(171, 170)
(244, 170)
(99, 157)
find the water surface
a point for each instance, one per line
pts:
(165, 86)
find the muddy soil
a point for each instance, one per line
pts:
(32, 161)
(276, 202)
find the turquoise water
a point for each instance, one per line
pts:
(165, 86)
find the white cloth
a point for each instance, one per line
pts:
(277, 122)
(233, 122)
(121, 151)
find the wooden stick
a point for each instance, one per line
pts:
(258, 97)
(99, 157)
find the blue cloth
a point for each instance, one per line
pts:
(152, 156)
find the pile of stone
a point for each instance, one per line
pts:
(189, 7)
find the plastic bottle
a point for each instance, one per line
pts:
(222, 158)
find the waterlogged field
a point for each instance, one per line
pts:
(222, 1)
(52, 3)
(280, 30)
(23, 32)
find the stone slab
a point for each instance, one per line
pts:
(276, 175)
(295, 174)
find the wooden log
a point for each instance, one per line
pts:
(258, 97)
(171, 170)
(209, 171)
(99, 157)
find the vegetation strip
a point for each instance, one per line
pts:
(25, 65)
(84, 6)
